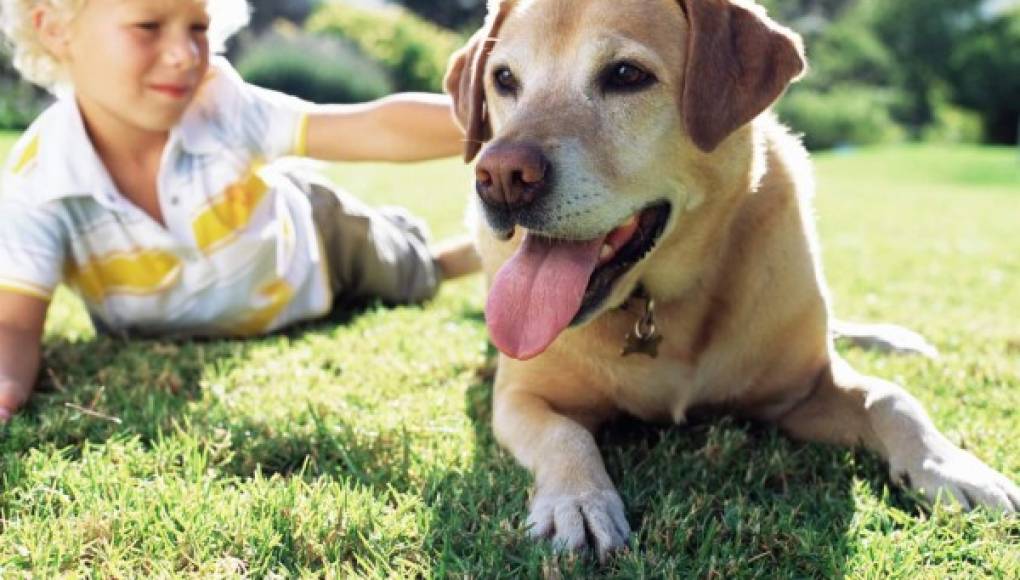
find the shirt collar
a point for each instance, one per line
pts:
(70, 166)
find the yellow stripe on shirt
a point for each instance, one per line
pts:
(29, 154)
(25, 289)
(221, 222)
(301, 137)
(137, 273)
(278, 294)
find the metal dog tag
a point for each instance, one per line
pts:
(635, 345)
(644, 339)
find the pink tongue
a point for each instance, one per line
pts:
(537, 293)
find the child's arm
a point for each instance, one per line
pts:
(21, 328)
(401, 127)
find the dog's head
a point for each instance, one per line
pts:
(584, 113)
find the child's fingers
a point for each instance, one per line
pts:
(5, 415)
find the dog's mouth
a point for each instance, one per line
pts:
(550, 284)
(624, 247)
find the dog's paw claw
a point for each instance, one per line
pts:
(957, 477)
(573, 521)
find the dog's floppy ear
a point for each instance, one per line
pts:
(465, 77)
(738, 63)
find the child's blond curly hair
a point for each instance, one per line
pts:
(35, 63)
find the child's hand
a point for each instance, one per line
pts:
(12, 396)
(21, 326)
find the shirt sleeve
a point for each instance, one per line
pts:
(269, 123)
(32, 249)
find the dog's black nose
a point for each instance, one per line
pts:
(513, 175)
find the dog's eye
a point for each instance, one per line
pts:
(625, 76)
(505, 80)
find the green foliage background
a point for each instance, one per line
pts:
(881, 71)
(320, 70)
(934, 68)
(413, 50)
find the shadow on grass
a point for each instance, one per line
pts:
(720, 497)
(92, 389)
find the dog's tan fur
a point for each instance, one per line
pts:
(741, 301)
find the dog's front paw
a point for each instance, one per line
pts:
(564, 517)
(954, 475)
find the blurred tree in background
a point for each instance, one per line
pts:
(454, 14)
(921, 35)
(20, 102)
(321, 70)
(265, 12)
(414, 51)
(931, 67)
(788, 11)
(984, 71)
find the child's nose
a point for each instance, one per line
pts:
(183, 52)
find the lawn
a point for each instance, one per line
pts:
(362, 446)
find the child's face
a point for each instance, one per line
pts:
(138, 62)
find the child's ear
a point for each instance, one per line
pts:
(54, 31)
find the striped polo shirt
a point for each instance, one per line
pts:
(239, 253)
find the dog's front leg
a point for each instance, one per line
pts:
(850, 408)
(573, 492)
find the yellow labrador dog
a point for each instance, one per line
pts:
(650, 249)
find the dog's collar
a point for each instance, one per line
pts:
(645, 337)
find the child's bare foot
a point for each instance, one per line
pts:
(457, 257)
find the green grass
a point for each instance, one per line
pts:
(363, 447)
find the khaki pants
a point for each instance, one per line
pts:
(371, 252)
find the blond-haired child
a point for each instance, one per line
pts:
(152, 188)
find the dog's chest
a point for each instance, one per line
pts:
(656, 386)
(659, 389)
